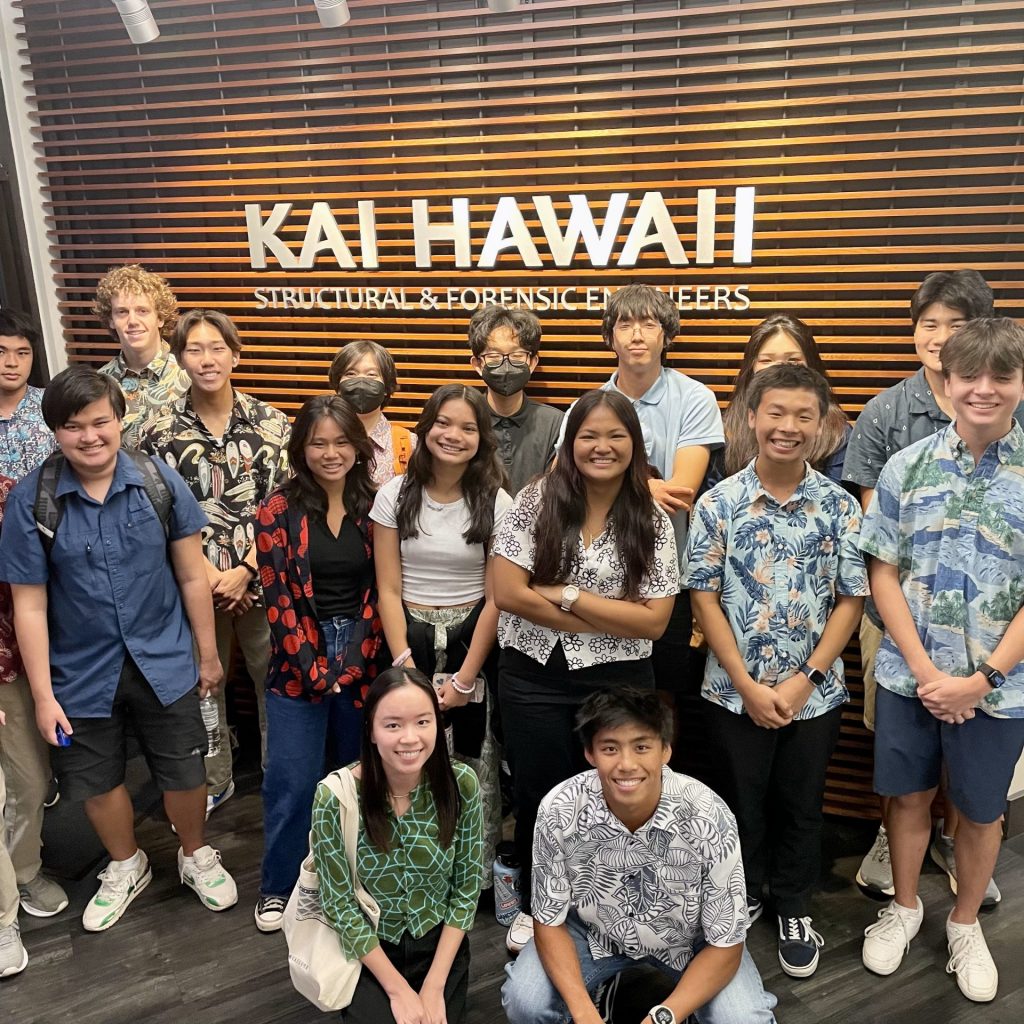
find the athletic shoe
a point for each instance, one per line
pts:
(118, 887)
(213, 802)
(42, 897)
(13, 956)
(971, 962)
(754, 908)
(270, 913)
(942, 853)
(874, 876)
(202, 873)
(888, 939)
(520, 932)
(798, 946)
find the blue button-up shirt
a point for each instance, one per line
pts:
(778, 568)
(25, 439)
(110, 586)
(954, 529)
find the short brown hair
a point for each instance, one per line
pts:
(353, 352)
(990, 343)
(133, 279)
(636, 301)
(221, 322)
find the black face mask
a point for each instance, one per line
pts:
(364, 394)
(506, 379)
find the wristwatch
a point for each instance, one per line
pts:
(817, 677)
(661, 1014)
(570, 595)
(993, 675)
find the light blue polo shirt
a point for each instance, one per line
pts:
(110, 586)
(675, 412)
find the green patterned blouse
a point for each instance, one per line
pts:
(418, 883)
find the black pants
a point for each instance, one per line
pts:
(412, 959)
(538, 708)
(670, 658)
(774, 781)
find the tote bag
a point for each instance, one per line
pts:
(319, 969)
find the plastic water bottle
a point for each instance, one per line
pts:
(506, 883)
(211, 719)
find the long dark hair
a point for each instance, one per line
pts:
(302, 487)
(373, 795)
(482, 477)
(741, 445)
(564, 508)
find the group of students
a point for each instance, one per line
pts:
(507, 583)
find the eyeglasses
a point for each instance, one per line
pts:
(492, 360)
(648, 328)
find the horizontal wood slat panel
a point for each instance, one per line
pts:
(884, 140)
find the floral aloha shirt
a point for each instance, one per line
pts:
(672, 885)
(955, 531)
(597, 570)
(779, 569)
(25, 439)
(146, 392)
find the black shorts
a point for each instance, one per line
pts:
(172, 738)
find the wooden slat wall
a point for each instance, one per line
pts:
(884, 140)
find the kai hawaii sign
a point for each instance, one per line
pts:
(566, 243)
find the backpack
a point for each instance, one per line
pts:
(48, 509)
(402, 445)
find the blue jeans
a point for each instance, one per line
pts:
(528, 997)
(304, 742)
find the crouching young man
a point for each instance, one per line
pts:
(634, 863)
(103, 615)
(945, 531)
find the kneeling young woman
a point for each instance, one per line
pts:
(419, 855)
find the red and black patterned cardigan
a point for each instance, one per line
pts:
(298, 661)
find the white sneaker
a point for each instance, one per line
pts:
(888, 939)
(13, 957)
(118, 887)
(520, 931)
(203, 873)
(971, 962)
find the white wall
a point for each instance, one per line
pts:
(16, 96)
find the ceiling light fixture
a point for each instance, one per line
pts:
(138, 20)
(332, 13)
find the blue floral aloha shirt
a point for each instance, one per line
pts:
(778, 568)
(955, 532)
(25, 439)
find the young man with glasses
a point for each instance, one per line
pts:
(505, 343)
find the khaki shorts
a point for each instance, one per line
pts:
(870, 641)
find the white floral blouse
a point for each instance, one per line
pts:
(596, 570)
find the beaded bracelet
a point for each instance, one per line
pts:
(455, 681)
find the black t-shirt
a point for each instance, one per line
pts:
(341, 571)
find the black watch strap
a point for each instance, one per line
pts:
(993, 675)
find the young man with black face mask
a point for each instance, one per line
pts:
(364, 374)
(505, 343)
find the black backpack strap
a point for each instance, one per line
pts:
(159, 493)
(48, 509)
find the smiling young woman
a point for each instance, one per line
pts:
(585, 575)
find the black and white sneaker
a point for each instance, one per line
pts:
(798, 946)
(754, 908)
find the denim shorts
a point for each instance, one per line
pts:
(980, 755)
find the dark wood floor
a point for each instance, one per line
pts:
(170, 960)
